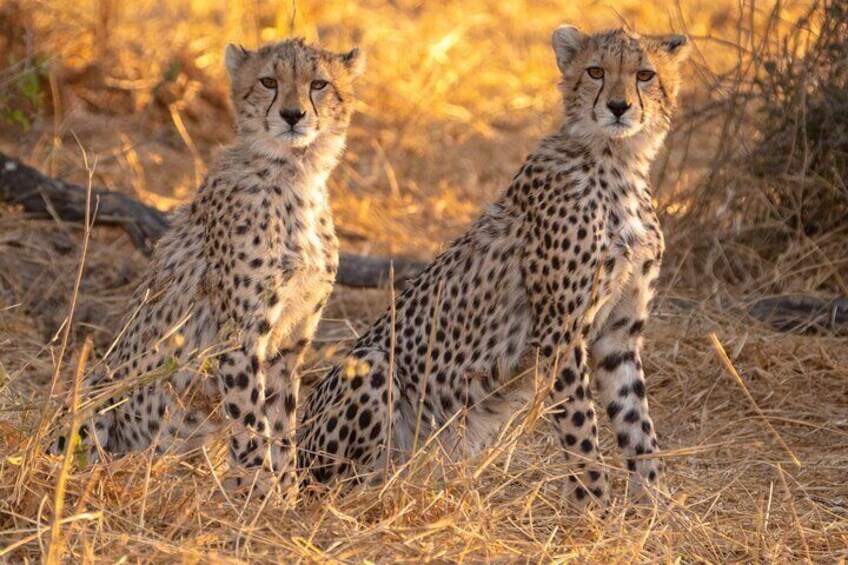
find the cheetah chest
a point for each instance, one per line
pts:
(634, 250)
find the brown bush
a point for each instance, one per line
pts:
(772, 214)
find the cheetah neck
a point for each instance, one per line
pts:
(300, 169)
(633, 166)
(634, 153)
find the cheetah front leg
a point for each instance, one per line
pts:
(283, 377)
(281, 400)
(562, 295)
(260, 380)
(621, 381)
(242, 378)
(574, 420)
(96, 432)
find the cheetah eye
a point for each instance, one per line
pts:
(595, 72)
(645, 76)
(318, 84)
(268, 82)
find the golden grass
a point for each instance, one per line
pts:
(735, 494)
(455, 94)
(449, 85)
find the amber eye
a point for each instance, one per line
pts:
(319, 84)
(595, 72)
(645, 76)
(268, 82)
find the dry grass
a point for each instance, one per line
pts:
(450, 85)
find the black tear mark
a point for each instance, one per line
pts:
(315, 109)
(311, 101)
(595, 103)
(641, 104)
(662, 88)
(337, 93)
(271, 105)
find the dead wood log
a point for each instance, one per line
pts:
(790, 313)
(802, 314)
(43, 196)
(48, 197)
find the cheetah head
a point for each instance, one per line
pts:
(618, 84)
(290, 94)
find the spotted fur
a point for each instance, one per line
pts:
(559, 271)
(236, 287)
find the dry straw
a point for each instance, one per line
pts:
(456, 93)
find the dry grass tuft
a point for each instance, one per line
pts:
(455, 94)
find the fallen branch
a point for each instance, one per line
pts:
(802, 314)
(48, 197)
(54, 198)
(791, 313)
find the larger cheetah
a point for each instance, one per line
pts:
(560, 269)
(237, 285)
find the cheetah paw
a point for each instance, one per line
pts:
(259, 483)
(585, 496)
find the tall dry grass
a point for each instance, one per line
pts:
(455, 94)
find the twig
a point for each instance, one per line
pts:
(729, 364)
(795, 519)
(199, 166)
(54, 554)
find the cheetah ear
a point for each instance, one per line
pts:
(234, 56)
(354, 62)
(566, 40)
(677, 46)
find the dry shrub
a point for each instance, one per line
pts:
(771, 214)
(806, 115)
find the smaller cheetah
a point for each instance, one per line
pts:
(555, 275)
(236, 287)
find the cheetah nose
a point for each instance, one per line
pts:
(618, 107)
(292, 115)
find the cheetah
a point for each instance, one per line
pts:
(557, 274)
(236, 287)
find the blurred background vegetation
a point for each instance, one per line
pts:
(455, 94)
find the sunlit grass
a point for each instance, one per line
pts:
(455, 94)
(449, 86)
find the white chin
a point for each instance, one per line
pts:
(295, 139)
(282, 144)
(620, 131)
